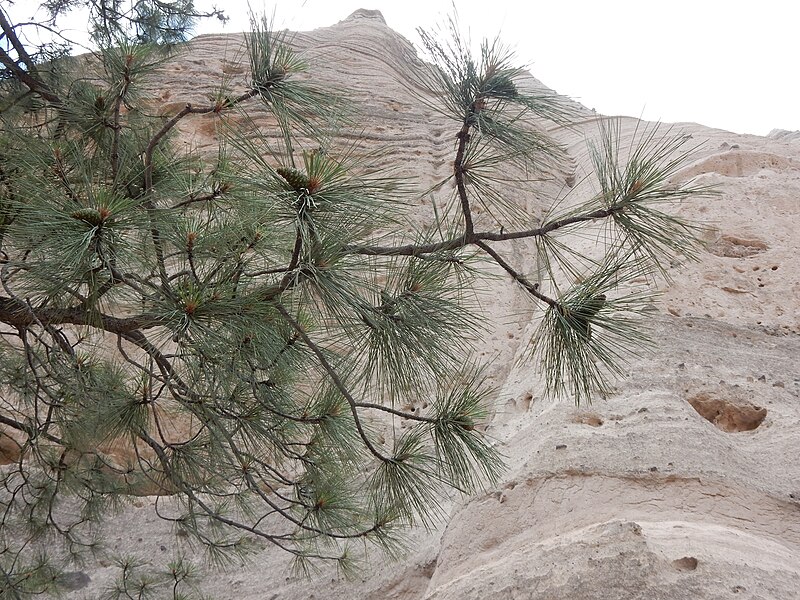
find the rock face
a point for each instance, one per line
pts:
(684, 483)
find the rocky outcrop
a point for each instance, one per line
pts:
(683, 483)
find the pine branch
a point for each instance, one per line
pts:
(31, 431)
(459, 170)
(464, 240)
(115, 125)
(17, 314)
(27, 75)
(533, 288)
(334, 378)
(393, 411)
(257, 299)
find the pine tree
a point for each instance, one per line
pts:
(249, 330)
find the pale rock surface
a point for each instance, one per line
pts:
(637, 495)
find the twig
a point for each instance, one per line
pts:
(533, 288)
(334, 378)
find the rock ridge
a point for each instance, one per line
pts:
(640, 494)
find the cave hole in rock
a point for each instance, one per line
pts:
(732, 246)
(687, 563)
(587, 418)
(726, 414)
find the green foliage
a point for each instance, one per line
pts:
(141, 580)
(250, 332)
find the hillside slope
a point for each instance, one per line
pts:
(684, 483)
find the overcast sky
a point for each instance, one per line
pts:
(730, 64)
(724, 63)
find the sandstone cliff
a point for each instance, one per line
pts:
(684, 483)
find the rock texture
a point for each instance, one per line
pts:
(684, 483)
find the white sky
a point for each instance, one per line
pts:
(730, 64)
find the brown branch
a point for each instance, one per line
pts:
(465, 240)
(601, 213)
(169, 125)
(396, 412)
(148, 183)
(533, 288)
(115, 126)
(25, 77)
(139, 339)
(215, 193)
(182, 485)
(20, 315)
(148, 167)
(460, 171)
(411, 249)
(295, 260)
(31, 431)
(165, 129)
(34, 85)
(52, 399)
(337, 382)
(61, 174)
(10, 32)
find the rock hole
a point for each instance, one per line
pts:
(74, 580)
(428, 569)
(731, 246)
(10, 448)
(587, 418)
(687, 563)
(729, 416)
